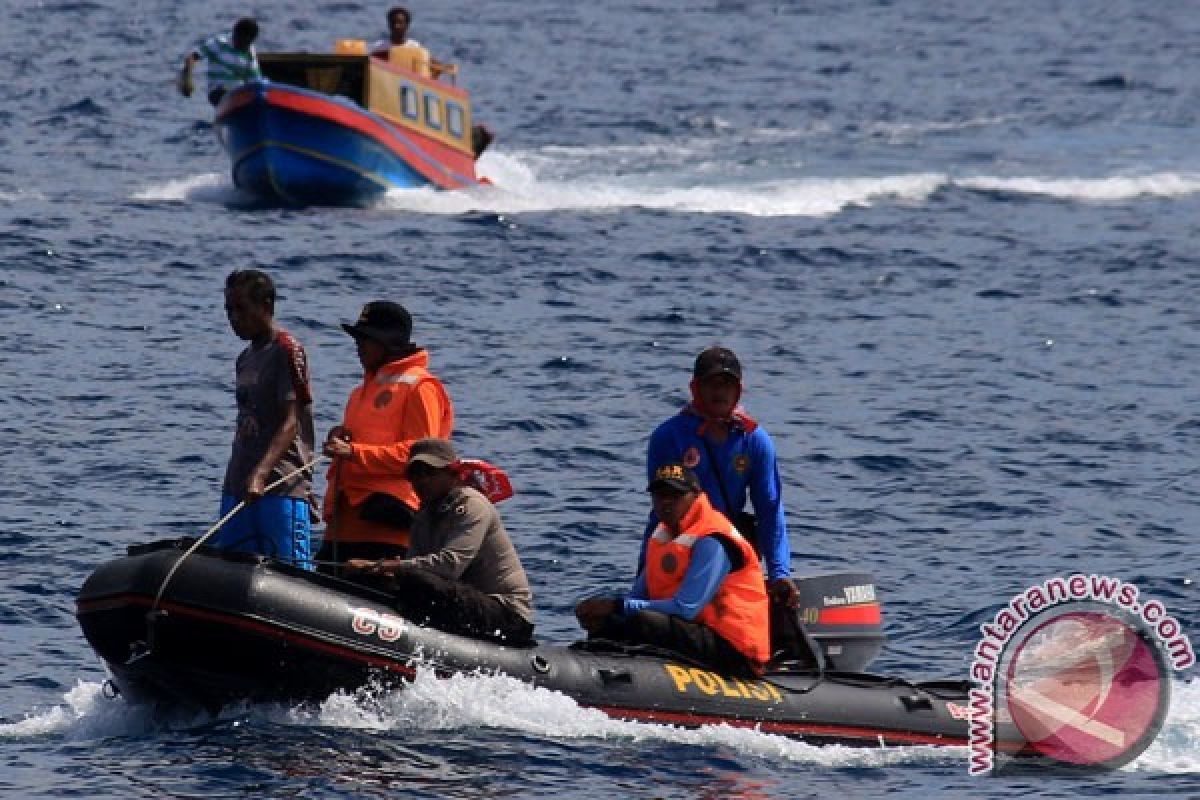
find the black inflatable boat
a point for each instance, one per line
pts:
(222, 627)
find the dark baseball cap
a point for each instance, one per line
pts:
(717, 361)
(383, 321)
(674, 478)
(437, 453)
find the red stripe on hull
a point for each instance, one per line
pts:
(843, 732)
(425, 151)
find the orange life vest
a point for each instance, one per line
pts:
(383, 423)
(739, 611)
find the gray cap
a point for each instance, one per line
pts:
(437, 453)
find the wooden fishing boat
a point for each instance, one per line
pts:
(344, 128)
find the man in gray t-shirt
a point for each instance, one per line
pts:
(462, 573)
(274, 436)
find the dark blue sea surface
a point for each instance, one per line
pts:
(954, 243)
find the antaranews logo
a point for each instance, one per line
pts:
(1076, 670)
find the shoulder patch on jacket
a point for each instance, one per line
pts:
(454, 505)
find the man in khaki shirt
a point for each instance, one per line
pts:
(462, 573)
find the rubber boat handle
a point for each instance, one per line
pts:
(916, 702)
(611, 676)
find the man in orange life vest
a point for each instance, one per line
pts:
(700, 593)
(369, 504)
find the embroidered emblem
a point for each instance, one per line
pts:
(383, 398)
(741, 463)
(691, 457)
(669, 472)
(669, 563)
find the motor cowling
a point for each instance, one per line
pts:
(840, 614)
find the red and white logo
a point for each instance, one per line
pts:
(1086, 688)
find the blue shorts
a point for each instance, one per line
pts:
(274, 526)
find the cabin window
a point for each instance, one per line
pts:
(408, 101)
(433, 111)
(454, 119)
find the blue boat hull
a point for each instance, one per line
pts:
(329, 152)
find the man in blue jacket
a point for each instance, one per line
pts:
(734, 458)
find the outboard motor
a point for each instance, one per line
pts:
(838, 626)
(841, 612)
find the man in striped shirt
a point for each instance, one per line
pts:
(230, 58)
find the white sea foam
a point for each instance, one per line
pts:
(89, 712)
(503, 703)
(20, 196)
(1109, 189)
(499, 702)
(1177, 748)
(520, 188)
(694, 176)
(210, 186)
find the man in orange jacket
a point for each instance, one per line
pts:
(700, 592)
(369, 504)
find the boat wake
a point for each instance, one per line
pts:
(464, 702)
(524, 184)
(559, 179)
(695, 177)
(1103, 190)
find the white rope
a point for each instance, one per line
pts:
(232, 512)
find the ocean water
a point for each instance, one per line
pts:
(954, 244)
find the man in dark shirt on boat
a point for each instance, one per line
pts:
(700, 592)
(274, 436)
(230, 58)
(462, 573)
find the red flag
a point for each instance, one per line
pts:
(490, 480)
